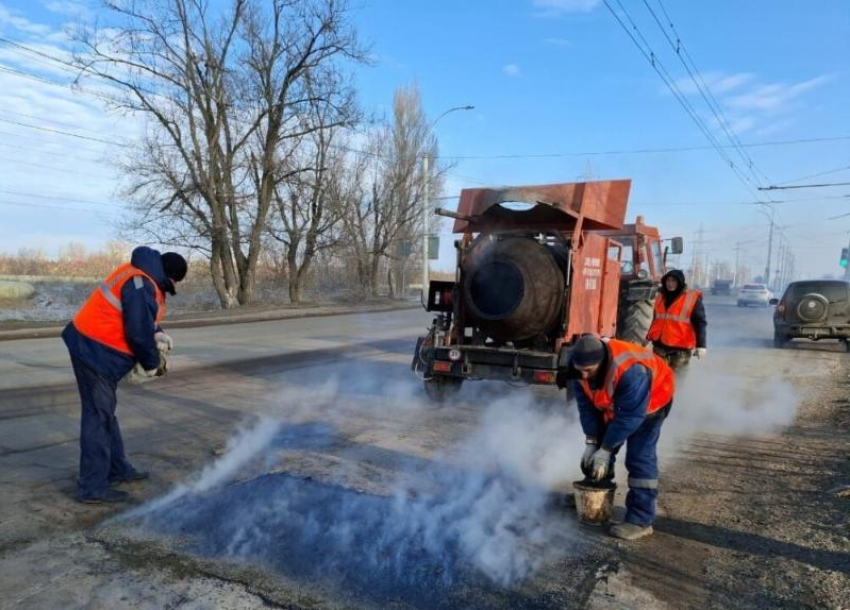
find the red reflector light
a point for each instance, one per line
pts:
(442, 367)
(544, 377)
(781, 307)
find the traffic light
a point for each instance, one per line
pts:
(845, 257)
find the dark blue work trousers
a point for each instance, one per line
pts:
(101, 446)
(642, 466)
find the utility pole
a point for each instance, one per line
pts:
(696, 259)
(769, 243)
(769, 252)
(426, 205)
(788, 258)
(737, 270)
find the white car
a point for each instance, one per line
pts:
(754, 294)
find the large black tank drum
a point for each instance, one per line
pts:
(513, 287)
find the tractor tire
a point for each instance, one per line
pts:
(635, 322)
(441, 389)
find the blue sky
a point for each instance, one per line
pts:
(545, 76)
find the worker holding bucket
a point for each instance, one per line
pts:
(623, 392)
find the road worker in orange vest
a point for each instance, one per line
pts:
(115, 330)
(678, 324)
(624, 393)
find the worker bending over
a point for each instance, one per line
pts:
(623, 392)
(116, 330)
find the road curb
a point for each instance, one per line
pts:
(50, 332)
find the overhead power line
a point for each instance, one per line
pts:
(652, 58)
(60, 132)
(40, 151)
(802, 186)
(696, 77)
(817, 175)
(50, 167)
(56, 197)
(58, 207)
(47, 120)
(641, 151)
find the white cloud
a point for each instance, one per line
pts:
(749, 105)
(775, 127)
(511, 69)
(13, 19)
(775, 96)
(72, 8)
(558, 42)
(717, 82)
(553, 8)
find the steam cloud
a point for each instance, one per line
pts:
(480, 508)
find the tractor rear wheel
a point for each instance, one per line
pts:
(440, 388)
(635, 321)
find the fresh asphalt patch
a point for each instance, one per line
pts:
(430, 545)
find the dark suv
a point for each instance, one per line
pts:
(813, 309)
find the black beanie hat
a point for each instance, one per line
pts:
(174, 265)
(588, 350)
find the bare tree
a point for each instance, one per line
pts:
(226, 99)
(307, 209)
(384, 203)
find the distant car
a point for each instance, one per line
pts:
(722, 288)
(813, 309)
(754, 294)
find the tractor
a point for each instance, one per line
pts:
(643, 262)
(537, 267)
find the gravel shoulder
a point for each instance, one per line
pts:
(754, 522)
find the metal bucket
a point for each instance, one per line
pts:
(594, 501)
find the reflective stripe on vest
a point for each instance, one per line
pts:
(101, 316)
(106, 288)
(622, 356)
(672, 326)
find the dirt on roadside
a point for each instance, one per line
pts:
(755, 522)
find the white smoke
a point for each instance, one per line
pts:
(484, 497)
(728, 395)
(497, 505)
(245, 446)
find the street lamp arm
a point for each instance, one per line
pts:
(449, 111)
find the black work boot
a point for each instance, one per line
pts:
(129, 477)
(107, 496)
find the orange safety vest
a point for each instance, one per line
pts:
(672, 326)
(623, 355)
(100, 318)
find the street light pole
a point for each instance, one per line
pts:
(426, 206)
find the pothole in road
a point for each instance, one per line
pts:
(482, 542)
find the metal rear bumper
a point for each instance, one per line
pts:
(814, 331)
(499, 363)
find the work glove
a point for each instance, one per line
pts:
(164, 343)
(140, 375)
(600, 464)
(587, 457)
(700, 352)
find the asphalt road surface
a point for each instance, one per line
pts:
(298, 464)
